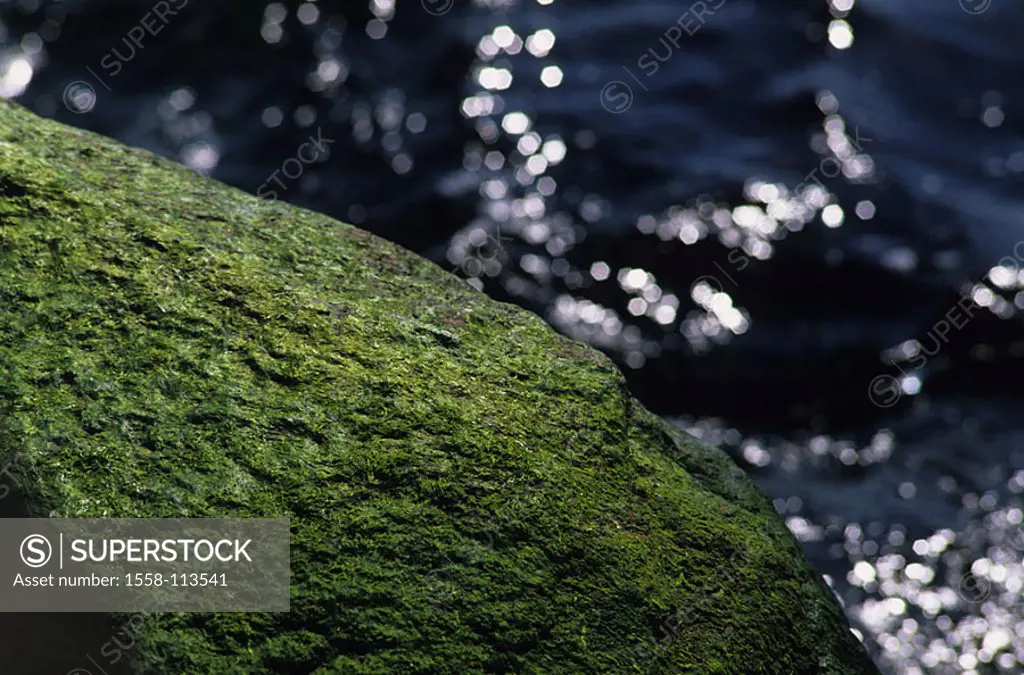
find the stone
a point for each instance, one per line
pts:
(469, 492)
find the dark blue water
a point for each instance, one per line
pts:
(796, 224)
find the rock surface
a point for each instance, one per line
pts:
(469, 492)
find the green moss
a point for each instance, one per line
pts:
(469, 491)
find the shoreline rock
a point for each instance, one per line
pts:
(469, 491)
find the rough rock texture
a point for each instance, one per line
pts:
(469, 491)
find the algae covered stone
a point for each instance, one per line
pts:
(469, 492)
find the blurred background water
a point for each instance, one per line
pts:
(795, 224)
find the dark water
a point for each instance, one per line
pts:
(797, 225)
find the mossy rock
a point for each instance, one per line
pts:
(469, 491)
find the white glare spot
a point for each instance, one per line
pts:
(551, 76)
(495, 78)
(840, 35)
(863, 572)
(911, 385)
(200, 157)
(15, 80)
(540, 43)
(832, 215)
(554, 150)
(515, 123)
(503, 36)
